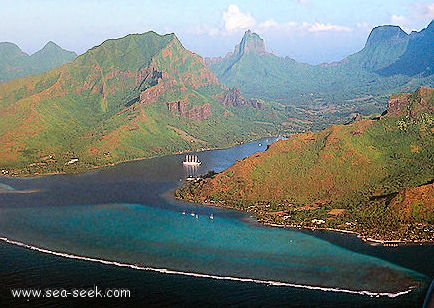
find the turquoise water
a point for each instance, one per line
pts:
(156, 238)
(123, 216)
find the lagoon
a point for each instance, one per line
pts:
(122, 221)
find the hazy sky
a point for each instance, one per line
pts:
(311, 31)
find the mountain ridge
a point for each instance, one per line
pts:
(334, 92)
(138, 96)
(14, 63)
(420, 47)
(385, 44)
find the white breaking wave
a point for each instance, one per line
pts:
(174, 272)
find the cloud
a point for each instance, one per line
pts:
(234, 20)
(398, 20)
(319, 27)
(271, 25)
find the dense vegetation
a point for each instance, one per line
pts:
(110, 105)
(15, 63)
(351, 177)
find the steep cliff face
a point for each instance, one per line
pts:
(418, 57)
(390, 62)
(392, 35)
(151, 94)
(233, 98)
(412, 104)
(383, 47)
(250, 43)
(118, 101)
(199, 113)
(181, 108)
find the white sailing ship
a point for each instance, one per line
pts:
(191, 160)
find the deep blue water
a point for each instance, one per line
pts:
(125, 214)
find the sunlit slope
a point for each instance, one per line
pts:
(139, 96)
(360, 168)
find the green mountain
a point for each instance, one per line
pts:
(50, 57)
(259, 73)
(15, 63)
(138, 96)
(333, 92)
(384, 46)
(374, 177)
(421, 48)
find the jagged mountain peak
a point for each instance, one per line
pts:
(131, 97)
(51, 44)
(16, 63)
(251, 43)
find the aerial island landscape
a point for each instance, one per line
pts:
(141, 164)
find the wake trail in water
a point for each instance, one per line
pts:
(200, 275)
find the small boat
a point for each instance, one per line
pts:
(211, 216)
(191, 160)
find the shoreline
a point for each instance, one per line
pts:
(85, 170)
(369, 240)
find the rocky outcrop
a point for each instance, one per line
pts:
(251, 43)
(179, 106)
(397, 106)
(212, 60)
(411, 104)
(195, 113)
(150, 95)
(257, 104)
(199, 113)
(233, 98)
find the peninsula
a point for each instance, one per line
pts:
(373, 177)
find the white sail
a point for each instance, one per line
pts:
(191, 160)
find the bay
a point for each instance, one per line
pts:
(124, 215)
